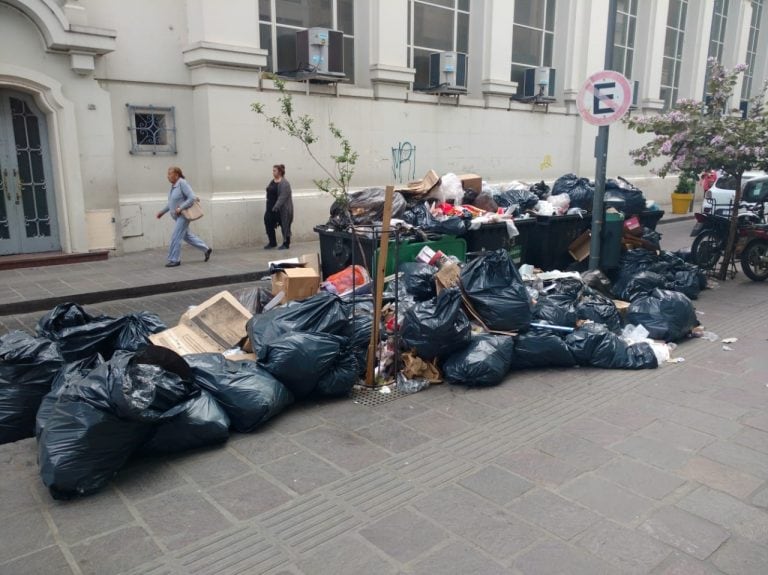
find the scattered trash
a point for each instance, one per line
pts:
(676, 360)
(727, 348)
(730, 339)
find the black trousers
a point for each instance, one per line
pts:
(273, 220)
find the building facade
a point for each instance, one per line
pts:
(99, 97)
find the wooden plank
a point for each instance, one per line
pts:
(381, 262)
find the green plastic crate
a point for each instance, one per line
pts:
(449, 245)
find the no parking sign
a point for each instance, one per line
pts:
(604, 98)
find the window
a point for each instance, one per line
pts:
(280, 19)
(624, 38)
(153, 130)
(754, 33)
(533, 37)
(673, 52)
(716, 36)
(435, 26)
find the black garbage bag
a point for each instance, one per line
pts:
(686, 282)
(568, 288)
(247, 392)
(632, 262)
(101, 419)
(28, 366)
(341, 376)
(254, 298)
(633, 198)
(367, 206)
(596, 307)
(524, 199)
(555, 310)
(322, 313)
(197, 422)
(652, 237)
(482, 200)
(594, 345)
(418, 280)
(79, 338)
(667, 315)
(438, 327)
(418, 215)
(298, 360)
(68, 374)
(360, 336)
(642, 284)
(541, 349)
(541, 190)
(580, 190)
(598, 281)
(484, 362)
(493, 286)
(684, 254)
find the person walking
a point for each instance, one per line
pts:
(180, 198)
(279, 208)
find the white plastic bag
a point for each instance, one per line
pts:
(450, 189)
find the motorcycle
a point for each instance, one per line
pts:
(754, 255)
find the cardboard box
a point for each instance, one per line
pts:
(296, 283)
(622, 306)
(214, 326)
(471, 182)
(447, 276)
(579, 248)
(633, 226)
(307, 260)
(423, 186)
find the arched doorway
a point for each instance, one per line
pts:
(28, 220)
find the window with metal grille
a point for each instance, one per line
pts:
(533, 37)
(673, 52)
(754, 35)
(435, 26)
(624, 38)
(153, 130)
(279, 20)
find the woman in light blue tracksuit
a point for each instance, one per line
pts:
(180, 198)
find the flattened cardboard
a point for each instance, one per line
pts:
(579, 248)
(471, 182)
(423, 186)
(447, 276)
(221, 319)
(297, 283)
(184, 340)
(622, 306)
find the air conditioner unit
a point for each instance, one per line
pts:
(635, 95)
(539, 82)
(320, 50)
(448, 70)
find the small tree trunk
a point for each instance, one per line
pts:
(730, 246)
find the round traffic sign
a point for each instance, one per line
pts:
(604, 98)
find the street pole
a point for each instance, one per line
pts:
(601, 153)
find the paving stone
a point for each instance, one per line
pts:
(404, 535)
(681, 564)
(730, 513)
(752, 438)
(116, 552)
(496, 484)
(81, 518)
(539, 467)
(624, 416)
(344, 413)
(761, 498)
(749, 398)
(653, 452)
(146, 478)
(741, 557)
(704, 422)
(552, 556)
(759, 421)
(557, 515)
(264, 447)
(456, 405)
(298, 419)
(16, 493)
(472, 517)
(48, 560)
(629, 550)
(687, 532)
(740, 457)
(401, 409)
(248, 496)
(640, 478)
(302, 472)
(456, 559)
(437, 425)
(345, 555)
(393, 436)
(211, 466)
(719, 476)
(607, 498)
(579, 452)
(25, 532)
(596, 430)
(180, 517)
(677, 436)
(342, 448)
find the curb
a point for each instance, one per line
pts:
(676, 219)
(128, 293)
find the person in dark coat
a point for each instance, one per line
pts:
(279, 208)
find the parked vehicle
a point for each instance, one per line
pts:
(754, 256)
(719, 198)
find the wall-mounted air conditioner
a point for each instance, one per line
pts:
(320, 50)
(448, 70)
(539, 82)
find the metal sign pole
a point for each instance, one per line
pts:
(601, 153)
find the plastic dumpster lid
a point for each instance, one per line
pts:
(615, 203)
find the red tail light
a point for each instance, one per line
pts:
(700, 217)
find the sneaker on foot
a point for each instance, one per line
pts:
(208, 254)
(172, 264)
(270, 246)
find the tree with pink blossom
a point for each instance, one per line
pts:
(698, 136)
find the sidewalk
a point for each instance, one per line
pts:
(134, 275)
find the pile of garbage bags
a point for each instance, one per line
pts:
(641, 271)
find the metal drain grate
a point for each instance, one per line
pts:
(372, 396)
